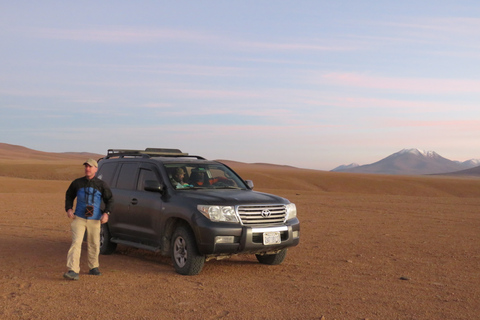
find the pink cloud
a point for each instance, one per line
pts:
(120, 34)
(296, 46)
(408, 85)
(461, 125)
(408, 106)
(117, 34)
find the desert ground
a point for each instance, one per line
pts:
(371, 247)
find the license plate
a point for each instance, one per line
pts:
(271, 238)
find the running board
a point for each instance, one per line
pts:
(136, 245)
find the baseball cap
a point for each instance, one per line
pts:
(91, 163)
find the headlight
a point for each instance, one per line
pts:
(218, 213)
(291, 211)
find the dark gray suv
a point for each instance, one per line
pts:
(208, 212)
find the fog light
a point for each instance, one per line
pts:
(295, 234)
(224, 239)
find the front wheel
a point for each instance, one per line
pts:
(106, 246)
(272, 259)
(185, 256)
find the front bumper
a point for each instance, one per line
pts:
(223, 238)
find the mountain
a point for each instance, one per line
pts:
(470, 163)
(412, 162)
(345, 167)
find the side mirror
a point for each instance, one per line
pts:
(249, 183)
(154, 186)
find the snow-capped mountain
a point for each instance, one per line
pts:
(470, 163)
(412, 162)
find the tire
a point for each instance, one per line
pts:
(272, 259)
(106, 246)
(185, 256)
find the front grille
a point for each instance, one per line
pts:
(261, 214)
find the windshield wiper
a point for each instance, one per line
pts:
(226, 187)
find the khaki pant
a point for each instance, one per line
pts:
(78, 227)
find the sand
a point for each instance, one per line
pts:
(371, 247)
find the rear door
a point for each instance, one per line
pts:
(123, 189)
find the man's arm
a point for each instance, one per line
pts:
(107, 197)
(70, 196)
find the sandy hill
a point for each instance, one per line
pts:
(21, 162)
(20, 153)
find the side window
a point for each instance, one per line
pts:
(107, 172)
(145, 174)
(127, 176)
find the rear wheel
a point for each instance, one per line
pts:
(106, 246)
(185, 256)
(272, 259)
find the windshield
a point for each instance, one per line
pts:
(200, 176)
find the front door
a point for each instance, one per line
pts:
(145, 209)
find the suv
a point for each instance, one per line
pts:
(214, 214)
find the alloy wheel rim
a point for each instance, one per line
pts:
(180, 252)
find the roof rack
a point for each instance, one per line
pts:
(148, 153)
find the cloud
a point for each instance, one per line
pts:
(153, 66)
(134, 35)
(410, 106)
(442, 26)
(297, 46)
(156, 105)
(405, 85)
(460, 125)
(119, 34)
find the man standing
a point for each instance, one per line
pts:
(89, 191)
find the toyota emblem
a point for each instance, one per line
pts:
(266, 213)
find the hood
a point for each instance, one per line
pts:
(231, 197)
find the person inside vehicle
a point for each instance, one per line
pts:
(177, 179)
(197, 177)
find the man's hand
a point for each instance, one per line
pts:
(70, 213)
(104, 218)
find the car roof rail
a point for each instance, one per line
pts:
(148, 153)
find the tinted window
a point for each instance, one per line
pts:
(127, 176)
(107, 172)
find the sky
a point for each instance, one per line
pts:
(310, 84)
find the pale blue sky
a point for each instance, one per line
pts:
(312, 84)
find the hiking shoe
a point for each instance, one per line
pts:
(71, 275)
(95, 272)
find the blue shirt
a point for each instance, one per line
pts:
(89, 192)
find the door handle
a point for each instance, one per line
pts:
(134, 201)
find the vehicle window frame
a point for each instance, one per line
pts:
(141, 178)
(108, 173)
